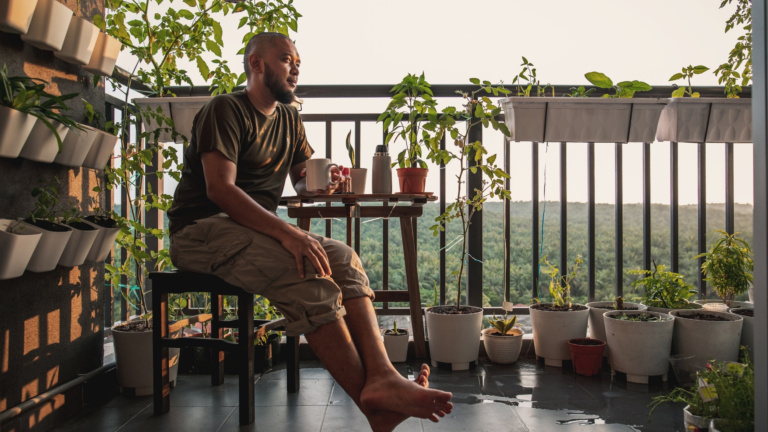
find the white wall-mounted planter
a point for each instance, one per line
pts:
(17, 244)
(596, 323)
(104, 55)
(609, 120)
(79, 42)
(15, 127)
(553, 329)
(133, 357)
(75, 146)
(105, 239)
(41, 144)
(182, 110)
(101, 150)
(49, 249)
(503, 349)
(79, 244)
(49, 25)
(15, 15)
(707, 340)
(639, 349)
(697, 120)
(454, 338)
(396, 346)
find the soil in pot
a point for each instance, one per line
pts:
(102, 221)
(744, 312)
(44, 224)
(555, 308)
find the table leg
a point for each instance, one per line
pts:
(304, 223)
(412, 277)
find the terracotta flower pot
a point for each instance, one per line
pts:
(412, 180)
(587, 355)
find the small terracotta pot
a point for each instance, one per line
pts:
(412, 180)
(587, 355)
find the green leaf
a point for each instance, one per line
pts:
(700, 69)
(599, 79)
(679, 92)
(676, 76)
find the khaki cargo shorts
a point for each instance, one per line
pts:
(259, 264)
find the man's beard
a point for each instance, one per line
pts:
(275, 87)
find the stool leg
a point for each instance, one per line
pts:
(160, 372)
(217, 356)
(245, 354)
(292, 360)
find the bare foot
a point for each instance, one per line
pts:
(392, 393)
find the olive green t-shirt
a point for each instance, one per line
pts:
(264, 148)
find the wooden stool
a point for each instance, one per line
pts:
(176, 282)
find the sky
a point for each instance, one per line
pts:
(450, 41)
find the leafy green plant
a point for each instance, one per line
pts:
(49, 207)
(740, 57)
(623, 89)
(503, 325)
(412, 115)
(527, 80)
(28, 95)
(728, 266)
(560, 284)
(663, 288)
(644, 317)
(394, 331)
(580, 91)
(687, 73)
(472, 157)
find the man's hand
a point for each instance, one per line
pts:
(302, 245)
(336, 178)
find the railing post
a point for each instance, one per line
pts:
(475, 234)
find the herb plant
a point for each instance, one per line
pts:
(527, 80)
(728, 266)
(663, 288)
(350, 150)
(736, 72)
(503, 325)
(623, 89)
(687, 73)
(560, 284)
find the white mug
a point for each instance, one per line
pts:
(319, 174)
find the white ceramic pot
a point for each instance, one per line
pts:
(17, 244)
(702, 423)
(596, 324)
(105, 239)
(639, 349)
(707, 340)
(396, 346)
(747, 328)
(15, 15)
(75, 146)
(698, 120)
(49, 249)
(104, 55)
(15, 127)
(503, 349)
(692, 306)
(49, 25)
(101, 150)
(41, 144)
(79, 244)
(133, 357)
(454, 338)
(79, 42)
(734, 304)
(553, 329)
(359, 175)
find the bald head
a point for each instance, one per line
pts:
(258, 44)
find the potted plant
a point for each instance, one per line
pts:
(640, 342)
(596, 311)
(747, 327)
(698, 120)
(706, 335)
(17, 244)
(358, 175)
(80, 39)
(502, 340)
(82, 239)
(728, 266)
(412, 115)
(696, 414)
(664, 290)
(104, 140)
(586, 355)
(42, 218)
(107, 231)
(454, 330)
(15, 15)
(557, 322)
(396, 343)
(49, 25)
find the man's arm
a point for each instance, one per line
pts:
(220, 174)
(299, 181)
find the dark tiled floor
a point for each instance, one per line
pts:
(526, 396)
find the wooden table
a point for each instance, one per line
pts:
(406, 207)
